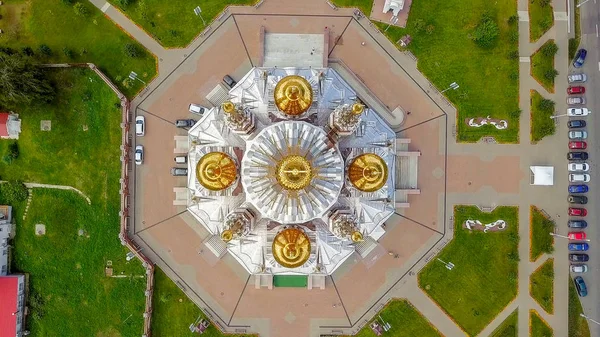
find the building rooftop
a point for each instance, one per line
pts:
(8, 305)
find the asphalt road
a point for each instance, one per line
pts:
(590, 23)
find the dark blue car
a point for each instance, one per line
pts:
(577, 224)
(578, 189)
(578, 247)
(581, 287)
(580, 58)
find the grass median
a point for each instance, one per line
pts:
(508, 328)
(538, 327)
(541, 286)
(540, 229)
(541, 18)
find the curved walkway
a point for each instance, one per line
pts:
(57, 187)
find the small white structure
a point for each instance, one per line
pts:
(394, 5)
(541, 175)
(10, 125)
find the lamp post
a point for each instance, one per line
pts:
(198, 12)
(579, 4)
(453, 86)
(563, 115)
(566, 237)
(589, 319)
(134, 76)
(449, 265)
(393, 21)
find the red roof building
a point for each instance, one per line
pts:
(3, 122)
(10, 125)
(12, 293)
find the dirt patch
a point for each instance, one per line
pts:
(110, 332)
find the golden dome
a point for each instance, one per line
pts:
(227, 235)
(228, 107)
(357, 108)
(293, 95)
(294, 172)
(356, 236)
(291, 248)
(368, 172)
(216, 171)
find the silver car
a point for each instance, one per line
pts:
(139, 155)
(577, 78)
(178, 171)
(576, 100)
(579, 268)
(577, 134)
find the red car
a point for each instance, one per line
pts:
(575, 90)
(577, 236)
(581, 145)
(574, 211)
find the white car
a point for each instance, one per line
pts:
(139, 155)
(579, 268)
(579, 167)
(579, 178)
(574, 78)
(578, 112)
(576, 100)
(140, 126)
(197, 109)
(577, 135)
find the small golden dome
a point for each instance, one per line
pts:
(357, 108)
(227, 235)
(216, 171)
(228, 107)
(368, 172)
(291, 248)
(356, 236)
(293, 95)
(294, 172)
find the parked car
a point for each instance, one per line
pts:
(579, 257)
(578, 167)
(579, 100)
(229, 81)
(578, 112)
(179, 171)
(577, 236)
(578, 189)
(139, 155)
(185, 123)
(580, 58)
(576, 90)
(579, 247)
(577, 156)
(577, 199)
(579, 178)
(577, 78)
(580, 285)
(576, 124)
(575, 211)
(579, 268)
(181, 159)
(140, 126)
(577, 145)
(579, 134)
(577, 224)
(198, 109)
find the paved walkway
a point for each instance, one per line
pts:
(57, 187)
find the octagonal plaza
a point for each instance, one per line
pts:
(253, 186)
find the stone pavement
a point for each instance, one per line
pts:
(512, 162)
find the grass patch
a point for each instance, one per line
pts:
(541, 111)
(404, 319)
(448, 54)
(484, 279)
(364, 5)
(542, 67)
(509, 327)
(173, 311)
(173, 23)
(537, 326)
(90, 38)
(574, 42)
(541, 287)
(541, 19)
(541, 241)
(69, 292)
(578, 326)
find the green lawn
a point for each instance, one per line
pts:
(70, 295)
(91, 38)
(540, 66)
(508, 328)
(537, 327)
(541, 19)
(174, 312)
(364, 5)
(574, 42)
(578, 326)
(488, 78)
(405, 321)
(173, 23)
(541, 123)
(484, 279)
(540, 229)
(541, 287)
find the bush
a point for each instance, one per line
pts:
(515, 114)
(546, 105)
(429, 29)
(124, 3)
(513, 54)
(514, 76)
(419, 25)
(551, 74)
(549, 49)
(27, 51)
(14, 191)
(544, 3)
(132, 50)
(68, 52)
(143, 9)
(45, 50)
(486, 33)
(513, 19)
(514, 36)
(12, 153)
(67, 2)
(80, 9)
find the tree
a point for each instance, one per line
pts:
(124, 3)
(513, 19)
(551, 74)
(546, 105)
(12, 153)
(14, 191)
(419, 25)
(549, 49)
(68, 52)
(22, 82)
(544, 3)
(80, 9)
(27, 51)
(486, 33)
(45, 50)
(513, 54)
(132, 50)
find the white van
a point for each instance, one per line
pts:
(181, 159)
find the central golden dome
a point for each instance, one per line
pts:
(294, 172)
(291, 248)
(216, 171)
(368, 172)
(293, 95)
